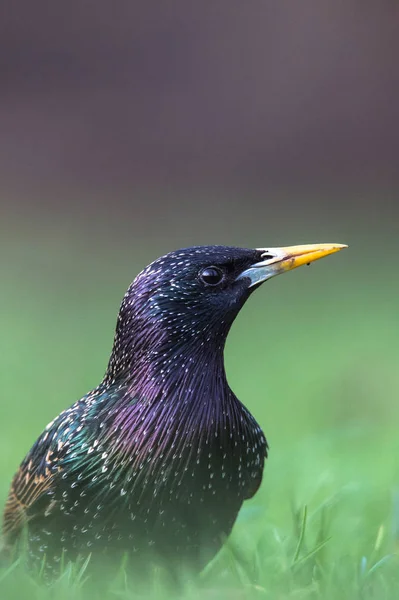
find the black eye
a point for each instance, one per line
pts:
(211, 275)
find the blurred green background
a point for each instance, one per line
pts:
(313, 354)
(131, 132)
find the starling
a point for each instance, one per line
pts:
(156, 461)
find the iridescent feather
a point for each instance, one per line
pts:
(158, 459)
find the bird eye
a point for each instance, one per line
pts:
(211, 275)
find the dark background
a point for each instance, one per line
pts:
(162, 117)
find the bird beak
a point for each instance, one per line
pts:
(279, 260)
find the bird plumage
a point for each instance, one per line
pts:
(160, 456)
(157, 460)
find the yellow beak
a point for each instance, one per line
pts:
(278, 260)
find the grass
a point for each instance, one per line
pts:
(314, 355)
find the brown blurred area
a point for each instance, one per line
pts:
(126, 104)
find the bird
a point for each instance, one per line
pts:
(156, 461)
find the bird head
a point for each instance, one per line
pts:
(190, 297)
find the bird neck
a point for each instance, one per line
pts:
(159, 361)
(168, 404)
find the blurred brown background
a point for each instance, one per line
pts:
(169, 109)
